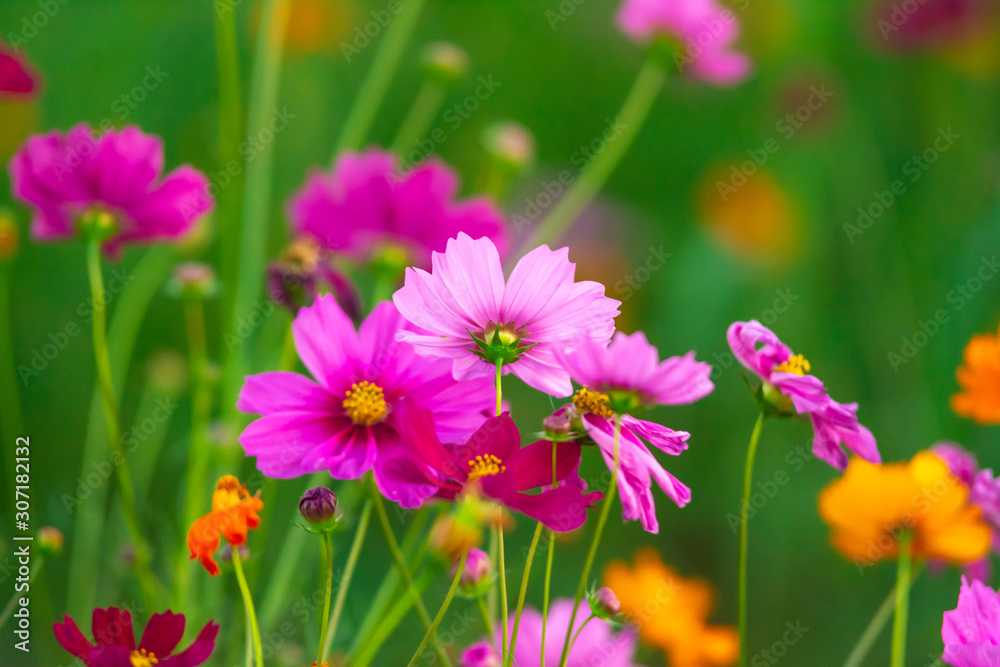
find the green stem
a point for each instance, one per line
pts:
(595, 173)
(902, 600)
(499, 387)
(524, 590)
(602, 519)
(147, 579)
(388, 622)
(345, 581)
(744, 518)
(484, 611)
(386, 62)
(418, 120)
(548, 561)
(12, 603)
(324, 620)
(579, 630)
(289, 355)
(258, 650)
(404, 573)
(503, 593)
(875, 627)
(441, 612)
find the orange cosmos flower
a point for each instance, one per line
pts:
(672, 612)
(871, 506)
(234, 512)
(979, 377)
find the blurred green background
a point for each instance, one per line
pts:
(779, 243)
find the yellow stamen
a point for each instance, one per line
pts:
(587, 400)
(365, 403)
(484, 466)
(142, 658)
(797, 364)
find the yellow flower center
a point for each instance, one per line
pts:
(797, 364)
(484, 466)
(587, 400)
(365, 403)
(141, 658)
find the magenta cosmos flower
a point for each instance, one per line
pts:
(344, 421)
(364, 206)
(117, 174)
(971, 632)
(621, 378)
(984, 493)
(115, 641)
(788, 387)
(597, 643)
(703, 29)
(476, 319)
(493, 464)
(17, 78)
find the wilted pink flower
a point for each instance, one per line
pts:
(493, 464)
(118, 173)
(363, 205)
(788, 387)
(345, 421)
(704, 31)
(618, 379)
(17, 78)
(472, 316)
(971, 632)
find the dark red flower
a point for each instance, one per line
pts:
(115, 641)
(16, 75)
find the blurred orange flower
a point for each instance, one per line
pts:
(979, 377)
(234, 513)
(871, 506)
(671, 612)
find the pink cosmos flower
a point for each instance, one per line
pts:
(17, 78)
(476, 319)
(364, 205)
(789, 388)
(618, 379)
(704, 29)
(971, 632)
(345, 420)
(597, 643)
(115, 640)
(118, 173)
(493, 464)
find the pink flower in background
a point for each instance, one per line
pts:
(493, 463)
(475, 318)
(789, 388)
(63, 177)
(597, 643)
(344, 421)
(619, 379)
(984, 493)
(115, 640)
(971, 632)
(704, 29)
(363, 205)
(17, 78)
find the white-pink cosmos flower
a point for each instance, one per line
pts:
(476, 318)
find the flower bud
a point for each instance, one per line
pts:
(96, 224)
(318, 506)
(445, 64)
(604, 603)
(193, 279)
(558, 425)
(475, 579)
(511, 144)
(454, 534)
(49, 541)
(9, 235)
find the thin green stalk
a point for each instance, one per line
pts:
(744, 518)
(499, 387)
(199, 451)
(441, 612)
(598, 169)
(598, 532)
(579, 630)
(147, 579)
(872, 631)
(325, 618)
(404, 573)
(548, 562)
(484, 611)
(88, 525)
(345, 581)
(900, 618)
(8, 608)
(503, 593)
(376, 84)
(418, 120)
(388, 622)
(524, 591)
(258, 650)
